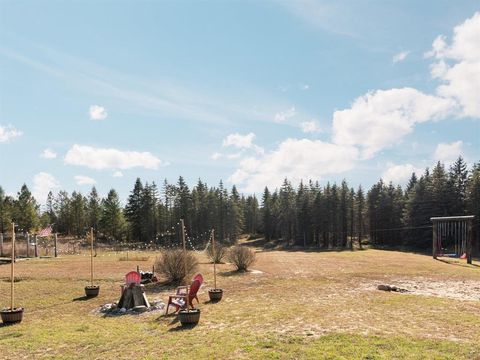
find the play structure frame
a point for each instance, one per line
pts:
(459, 227)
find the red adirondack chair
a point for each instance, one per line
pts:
(179, 300)
(132, 277)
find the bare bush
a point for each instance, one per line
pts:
(242, 257)
(218, 255)
(171, 265)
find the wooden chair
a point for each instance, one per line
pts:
(179, 299)
(132, 277)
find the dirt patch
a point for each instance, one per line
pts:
(466, 290)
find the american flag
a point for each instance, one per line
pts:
(45, 232)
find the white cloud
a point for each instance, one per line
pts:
(8, 133)
(48, 154)
(458, 66)
(283, 116)
(448, 152)
(295, 159)
(103, 158)
(400, 56)
(117, 174)
(310, 127)
(380, 119)
(216, 156)
(305, 87)
(239, 141)
(98, 112)
(400, 174)
(43, 183)
(84, 180)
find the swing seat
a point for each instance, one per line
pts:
(464, 256)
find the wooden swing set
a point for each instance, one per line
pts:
(453, 237)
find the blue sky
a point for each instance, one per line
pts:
(102, 92)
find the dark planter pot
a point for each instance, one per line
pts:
(215, 294)
(92, 290)
(189, 317)
(12, 316)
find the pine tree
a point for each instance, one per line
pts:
(360, 205)
(94, 209)
(133, 211)
(458, 178)
(25, 210)
(112, 221)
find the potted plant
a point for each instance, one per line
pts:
(91, 290)
(187, 316)
(12, 315)
(214, 294)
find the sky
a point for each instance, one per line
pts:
(247, 92)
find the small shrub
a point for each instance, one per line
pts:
(218, 255)
(242, 257)
(171, 265)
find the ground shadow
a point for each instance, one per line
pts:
(232, 273)
(182, 327)
(211, 302)
(82, 298)
(159, 287)
(457, 263)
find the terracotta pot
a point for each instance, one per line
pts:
(215, 294)
(12, 316)
(92, 290)
(189, 317)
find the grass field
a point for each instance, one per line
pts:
(294, 305)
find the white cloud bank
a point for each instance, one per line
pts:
(379, 120)
(458, 66)
(382, 118)
(295, 159)
(84, 180)
(48, 154)
(43, 183)
(97, 112)
(8, 133)
(117, 174)
(448, 152)
(239, 141)
(103, 158)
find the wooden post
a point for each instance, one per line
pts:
(55, 243)
(28, 244)
(434, 247)
(36, 244)
(470, 235)
(184, 259)
(214, 260)
(12, 275)
(91, 256)
(1, 244)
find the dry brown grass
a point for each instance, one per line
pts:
(296, 305)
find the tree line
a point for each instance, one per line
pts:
(329, 216)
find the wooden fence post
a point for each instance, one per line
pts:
(28, 244)
(36, 244)
(1, 244)
(55, 243)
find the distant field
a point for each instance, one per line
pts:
(295, 305)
